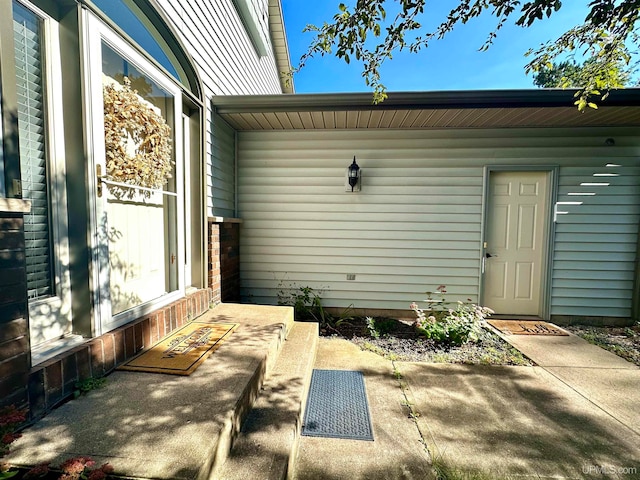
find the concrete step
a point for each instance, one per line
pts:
(149, 425)
(266, 448)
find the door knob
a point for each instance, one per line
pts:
(488, 255)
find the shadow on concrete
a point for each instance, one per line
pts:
(517, 421)
(163, 426)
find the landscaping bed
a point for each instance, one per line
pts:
(398, 340)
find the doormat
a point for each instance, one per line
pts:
(183, 351)
(337, 406)
(526, 327)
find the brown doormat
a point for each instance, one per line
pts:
(526, 327)
(183, 351)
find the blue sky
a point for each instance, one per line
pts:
(453, 63)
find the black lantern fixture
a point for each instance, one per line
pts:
(353, 174)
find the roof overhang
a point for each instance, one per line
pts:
(420, 110)
(280, 45)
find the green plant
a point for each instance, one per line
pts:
(371, 326)
(446, 471)
(446, 322)
(305, 300)
(380, 327)
(83, 387)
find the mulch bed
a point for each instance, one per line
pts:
(398, 340)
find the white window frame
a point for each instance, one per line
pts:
(57, 308)
(188, 213)
(94, 33)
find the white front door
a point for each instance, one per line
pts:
(515, 242)
(138, 248)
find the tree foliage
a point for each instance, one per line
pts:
(570, 74)
(365, 33)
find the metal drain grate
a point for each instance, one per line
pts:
(337, 406)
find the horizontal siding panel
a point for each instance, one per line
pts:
(596, 242)
(222, 198)
(624, 190)
(607, 312)
(368, 252)
(417, 222)
(595, 293)
(595, 284)
(603, 256)
(283, 226)
(360, 243)
(362, 217)
(578, 303)
(398, 287)
(338, 189)
(577, 276)
(255, 197)
(626, 179)
(228, 64)
(305, 235)
(585, 218)
(469, 268)
(607, 239)
(260, 270)
(592, 266)
(299, 207)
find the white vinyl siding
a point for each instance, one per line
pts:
(596, 242)
(226, 58)
(33, 155)
(222, 176)
(418, 221)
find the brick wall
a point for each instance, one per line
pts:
(54, 381)
(213, 260)
(224, 261)
(14, 326)
(230, 262)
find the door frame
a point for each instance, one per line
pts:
(548, 242)
(94, 32)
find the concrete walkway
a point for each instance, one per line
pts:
(576, 415)
(397, 451)
(570, 417)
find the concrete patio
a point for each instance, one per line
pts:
(239, 415)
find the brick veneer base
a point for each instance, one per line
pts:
(224, 260)
(54, 381)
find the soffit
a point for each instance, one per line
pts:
(280, 46)
(421, 110)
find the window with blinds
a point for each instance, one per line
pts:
(33, 156)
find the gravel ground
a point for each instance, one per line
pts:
(399, 341)
(623, 341)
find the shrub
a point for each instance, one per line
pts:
(446, 322)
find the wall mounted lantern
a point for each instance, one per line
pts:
(354, 175)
